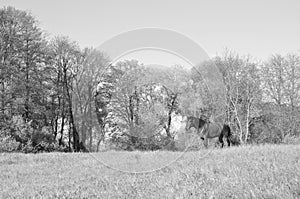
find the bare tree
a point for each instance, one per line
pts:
(243, 93)
(66, 56)
(281, 76)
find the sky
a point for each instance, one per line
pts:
(259, 28)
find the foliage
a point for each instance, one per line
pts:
(8, 144)
(289, 139)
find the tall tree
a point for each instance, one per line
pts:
(66, 56)
(281, 76)
(23, 60)
(241, 78)
(90, 74)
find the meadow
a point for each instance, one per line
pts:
(267, 171)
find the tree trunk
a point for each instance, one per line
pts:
(131, 111)
(91, 140)
(247, 123)
(171, 109)
(90, 116)
(27, 93)
(72, 127)
(62, 125)
(137, 107)
(100, 139)
(2, 97)
(2, 73)
(83, 131)
(239, 122)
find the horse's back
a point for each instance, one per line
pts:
(214, 130)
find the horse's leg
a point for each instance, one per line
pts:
(216, 144)
(221, 140)
(228, 135)
(228, 141)
(206, 142)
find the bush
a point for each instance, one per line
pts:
(8, 144)
(235, 141)
(289, 139)
(20, 130)
(22, 137)
(43, 147)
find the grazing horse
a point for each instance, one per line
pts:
(209, 130)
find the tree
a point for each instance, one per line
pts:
(281, 76)
(89, 76)
(173, 82)
(241, 78)
(125, 105)
(66, 57)
(143, 102)
(23, 62)
(273, 73)
(206, 93)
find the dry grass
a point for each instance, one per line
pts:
(239, 172)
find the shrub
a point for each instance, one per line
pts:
(8, 144)
(289, 139)
(21, 136)
(20, 130)
(43, 147)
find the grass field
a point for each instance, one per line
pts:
(239, 172)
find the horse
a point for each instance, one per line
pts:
(209, 130)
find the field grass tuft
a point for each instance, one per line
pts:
(269, 171)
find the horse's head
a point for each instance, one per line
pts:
(189, 123)
(194, 122)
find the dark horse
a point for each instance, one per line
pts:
(209, 130)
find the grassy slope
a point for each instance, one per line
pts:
(243, 172)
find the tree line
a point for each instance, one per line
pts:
(55, 96)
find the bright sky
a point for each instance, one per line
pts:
(257, 27)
